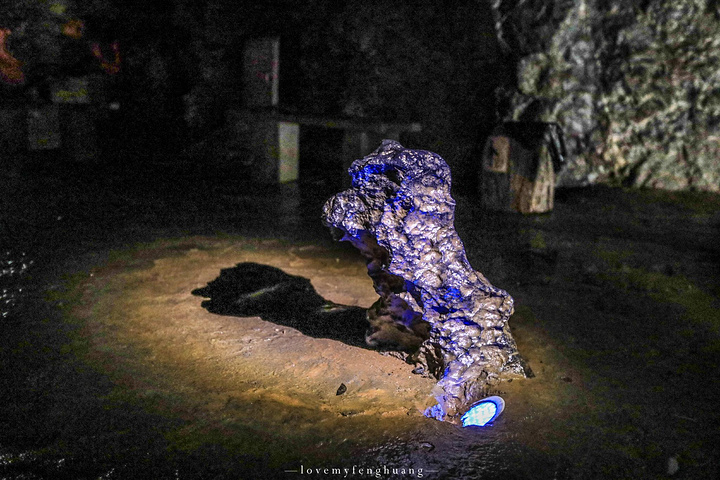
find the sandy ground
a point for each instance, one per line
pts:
(112, 367)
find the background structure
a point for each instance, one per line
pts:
(634, 85)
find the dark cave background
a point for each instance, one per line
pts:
(633, 85)
(399, 62)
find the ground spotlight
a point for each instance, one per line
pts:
(483, 412)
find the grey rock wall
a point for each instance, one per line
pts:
(635, 86)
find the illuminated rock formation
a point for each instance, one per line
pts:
(400, 215)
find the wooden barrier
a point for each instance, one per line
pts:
(519, 163)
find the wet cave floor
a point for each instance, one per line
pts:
(112, 366)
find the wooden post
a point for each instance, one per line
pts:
(517, 169)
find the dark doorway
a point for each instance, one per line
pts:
(321, 158)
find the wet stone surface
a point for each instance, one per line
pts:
(400, 215)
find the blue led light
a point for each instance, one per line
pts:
(480, 414)
(483, 412)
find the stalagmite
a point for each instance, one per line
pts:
(399, 213)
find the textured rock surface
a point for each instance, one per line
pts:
(635, 86)
(400, 215)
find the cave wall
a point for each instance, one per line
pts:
(396, 62)
(635, 86)
(406, 62)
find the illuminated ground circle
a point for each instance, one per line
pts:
(243, 377)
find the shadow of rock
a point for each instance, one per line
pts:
(255, 290)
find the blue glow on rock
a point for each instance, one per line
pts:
(483, 412)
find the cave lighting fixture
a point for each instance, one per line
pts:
(483, 412)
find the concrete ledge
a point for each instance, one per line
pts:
(272, 137)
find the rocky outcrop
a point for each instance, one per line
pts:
(635, 86)
(399, 213)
